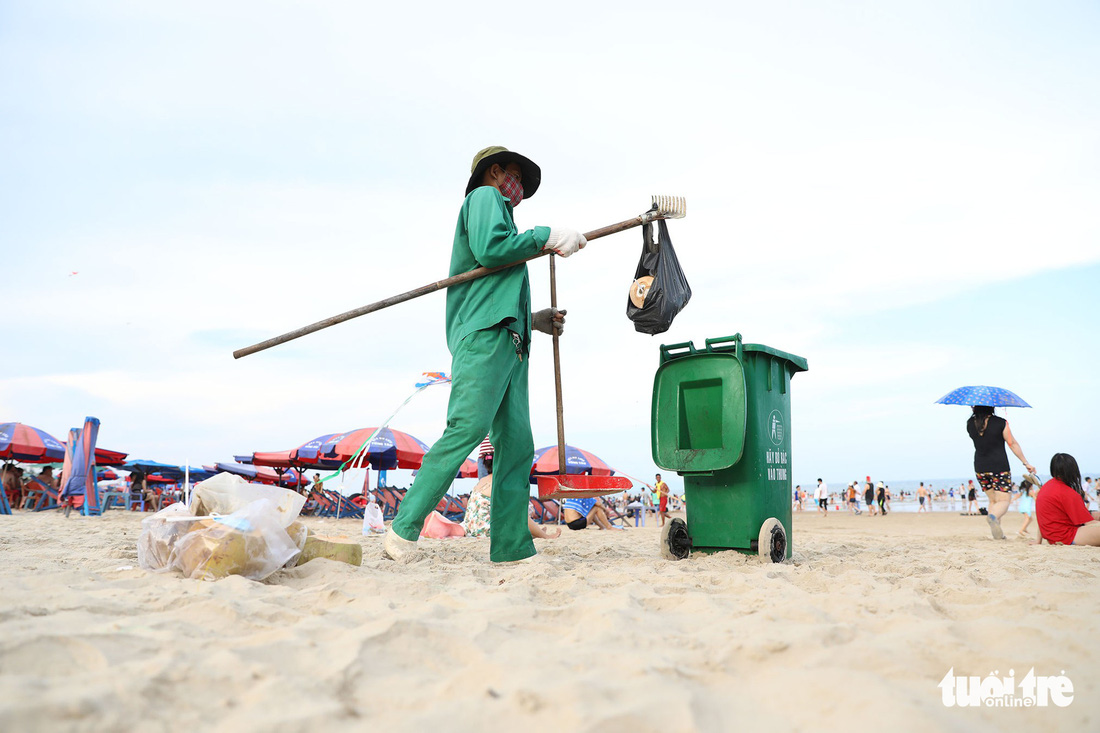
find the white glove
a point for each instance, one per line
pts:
(545, 321)
(565, 241)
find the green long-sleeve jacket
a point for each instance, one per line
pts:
(486, 236)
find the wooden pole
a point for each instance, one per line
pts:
(557, 369)
(424, 290)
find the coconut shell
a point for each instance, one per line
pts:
(349, 552)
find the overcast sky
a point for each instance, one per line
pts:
(904, 195)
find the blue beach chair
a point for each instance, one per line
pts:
(41, 497)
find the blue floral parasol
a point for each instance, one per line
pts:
(988, 396)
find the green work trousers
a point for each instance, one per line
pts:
(488, 397)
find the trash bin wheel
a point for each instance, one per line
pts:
(675, 540)
(772, 542)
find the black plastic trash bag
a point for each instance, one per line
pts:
(669, 292)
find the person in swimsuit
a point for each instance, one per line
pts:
(869, 497)
(971, 499)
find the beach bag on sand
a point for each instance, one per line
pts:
(660, 285)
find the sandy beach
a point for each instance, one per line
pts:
(595, 633)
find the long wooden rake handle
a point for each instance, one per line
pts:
(663, 208)
(557, 370)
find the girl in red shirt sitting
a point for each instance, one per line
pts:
(1061, 508)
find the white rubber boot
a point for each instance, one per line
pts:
(397, 548)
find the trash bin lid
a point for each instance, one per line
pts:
(699, 413)
(797, 363)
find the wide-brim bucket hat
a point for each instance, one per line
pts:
(532, 174)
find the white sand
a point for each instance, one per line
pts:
(596, 633)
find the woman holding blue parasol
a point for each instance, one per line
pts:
(991, 434)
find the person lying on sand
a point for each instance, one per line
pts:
(579, 512)
(1061, 508)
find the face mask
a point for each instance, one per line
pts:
(513, 189)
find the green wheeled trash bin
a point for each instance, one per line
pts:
(722, 419)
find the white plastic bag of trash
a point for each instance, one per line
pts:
(373, 522)
(228, 531)
(251, 542)
(226, 493)
(159, 533)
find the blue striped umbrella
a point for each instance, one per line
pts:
(388, 449)
(577, 460)
(21, 442)
(987, 396)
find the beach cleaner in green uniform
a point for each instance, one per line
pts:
(489, 324)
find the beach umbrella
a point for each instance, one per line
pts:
(387, 450)
(70, 459)
(239, 469)
(28, 444)
(104, 457)
(106, 474)
(288, 459)
(310, 452)
(280, 459)
(577, 460)
(164, 471)
(200, 473)
(80, 476)
(290, 477)
(263, 474)
(987, 396)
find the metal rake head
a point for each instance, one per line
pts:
(667, 207)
